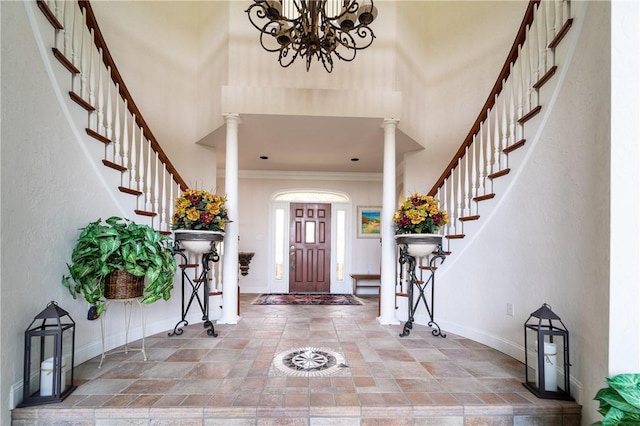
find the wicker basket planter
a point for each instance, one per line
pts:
(123, 285)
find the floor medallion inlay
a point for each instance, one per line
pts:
(309, 361)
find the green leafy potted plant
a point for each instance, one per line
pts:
(104, 249)
(620, 402)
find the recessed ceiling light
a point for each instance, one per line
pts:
(264, 157)
(354, 159)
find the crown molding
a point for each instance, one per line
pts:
(302, 175)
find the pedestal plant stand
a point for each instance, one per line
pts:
(433, 244)
(202, 244)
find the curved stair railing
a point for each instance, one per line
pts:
(498, 131)
(114, 119)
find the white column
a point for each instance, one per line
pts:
(230, 258)
(389, 204)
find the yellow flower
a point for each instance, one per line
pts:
(192, 214)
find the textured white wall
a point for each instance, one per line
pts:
(162, 74)
(548, 242)
(255, 221)
(450, 54)
(49, 190)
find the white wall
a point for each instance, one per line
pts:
(548, 242)
(450, 54)
(255, 223)
(162, 75)
(50, 189)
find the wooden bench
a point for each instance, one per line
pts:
(365, 277)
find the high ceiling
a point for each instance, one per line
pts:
(313, 144)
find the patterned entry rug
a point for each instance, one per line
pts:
(306, 299)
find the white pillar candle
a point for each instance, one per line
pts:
(550, 362)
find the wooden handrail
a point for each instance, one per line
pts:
(100, 43)
(497, 87)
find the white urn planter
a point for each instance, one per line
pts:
(419, 245)
(197, 241)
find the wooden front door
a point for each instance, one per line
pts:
(310, 248)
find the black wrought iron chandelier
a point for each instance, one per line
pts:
(313, 28)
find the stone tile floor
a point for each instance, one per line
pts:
(195, 379)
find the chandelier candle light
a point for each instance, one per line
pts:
(308, 28)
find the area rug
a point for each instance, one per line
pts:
(306, 299)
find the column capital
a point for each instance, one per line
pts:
(231, 118)
(388, 122)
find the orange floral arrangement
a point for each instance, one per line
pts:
(198, 209)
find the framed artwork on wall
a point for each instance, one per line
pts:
(369, 221)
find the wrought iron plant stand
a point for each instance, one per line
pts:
(410, 261)
(200, 281)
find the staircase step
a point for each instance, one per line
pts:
(114, 166)
(454, 236)
(468, 218)
(496, 175)
(145, 213)
(65, 62)
(546, 77)
(84, 104)
(528, 116)
(515, 146)
(105, 140)
(484, 197)
(51, 17)
(563, 31)
(132, 192)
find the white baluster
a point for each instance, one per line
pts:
(92, 81)
(459, 192)
(116, 142)
(133, 184)
(58, 11)
(496, 138)
(85, 56)
(452, 194)
(549, 25)
(512, 113)
(532, 67)
(481, 162)
(156, 185)
(163, 199)
(67, 23)
(532, 39)
(126, 140)
(147, 196)
(445, 206)
(141, 168)
(543, 43)
(474, 171)
(171, 197)
(520, 83)
(76, 44)
(488, 149)
(502, 157)
(466, 210)
(100, 107)
(559, 17)
(109, 109)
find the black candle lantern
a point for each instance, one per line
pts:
(47, 359)
(551, 341)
